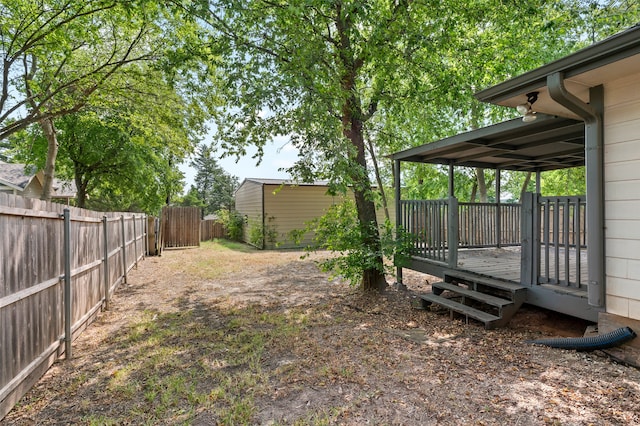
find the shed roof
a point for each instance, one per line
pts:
(547, 143)
(286, 182)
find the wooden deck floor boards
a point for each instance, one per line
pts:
(504, 263)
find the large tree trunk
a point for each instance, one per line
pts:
(482, 185)
(49, 131)
(373, 278)
(81, 187)
(527, 179)
(376, 169)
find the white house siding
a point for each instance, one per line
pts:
(622, 196)
(249, 205)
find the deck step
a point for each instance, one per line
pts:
(451, 275)
(481, 297)
(465, 310)
(489, 300)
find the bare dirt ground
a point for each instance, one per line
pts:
(339, 357)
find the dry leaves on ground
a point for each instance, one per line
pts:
(229, 335)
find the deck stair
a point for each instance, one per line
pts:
(488, 300)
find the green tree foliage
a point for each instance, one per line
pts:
(337, 230)
(213, 185)
(60, 56)
(233, 223)
(123, 155)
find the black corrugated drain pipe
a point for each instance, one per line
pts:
(603, 341)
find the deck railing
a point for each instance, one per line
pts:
(563, 240)
(426, 221)
(488, 225)
(479, 225)
(556, 253)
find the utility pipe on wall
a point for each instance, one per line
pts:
(592, 115)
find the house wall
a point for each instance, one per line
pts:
(249, 205)
(33, 190)
(622, 196)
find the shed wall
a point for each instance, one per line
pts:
(291, 207)
(622, 196)
(249, 205)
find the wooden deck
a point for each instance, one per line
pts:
(504, 263)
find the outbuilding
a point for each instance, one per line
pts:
(274, 208)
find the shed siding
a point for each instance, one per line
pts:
(249, 205)
(289, 208)
(622, 196)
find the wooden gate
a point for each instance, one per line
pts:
(180, 226)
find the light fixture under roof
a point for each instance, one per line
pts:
(528, 114)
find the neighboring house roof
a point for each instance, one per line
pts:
(19, 176)
(16, 176)
(612, 58)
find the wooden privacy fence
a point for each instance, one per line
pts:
(58, 266)
(180, 226)
(210, 229)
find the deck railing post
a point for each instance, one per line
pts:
(453, 232)
(527, 231)
(400, 233)
(498, 211)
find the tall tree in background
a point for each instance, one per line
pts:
(58, 55)
(213, 185)
(122, 151)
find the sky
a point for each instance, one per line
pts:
(277, 154)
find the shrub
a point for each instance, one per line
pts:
(232, 222)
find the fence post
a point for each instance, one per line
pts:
(453, 232)
(135, 243)
(124, 251)
(67, 283)
(105, 233)
(145, 235)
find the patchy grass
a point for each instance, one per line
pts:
(190, 341)
(177, 365)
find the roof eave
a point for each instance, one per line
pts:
(610, 50)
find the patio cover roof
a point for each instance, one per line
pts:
(547, 143)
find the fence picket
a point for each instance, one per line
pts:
(32, 297)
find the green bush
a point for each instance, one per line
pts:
(232, 222)
(340, 232)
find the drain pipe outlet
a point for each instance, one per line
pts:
(591, 114)
(603, 341)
